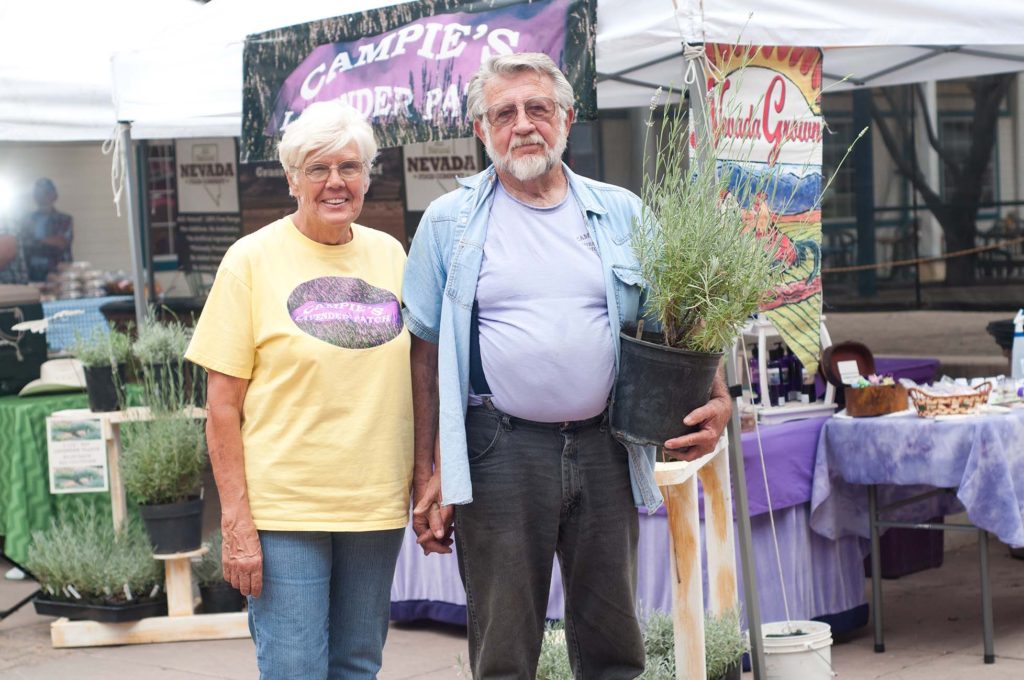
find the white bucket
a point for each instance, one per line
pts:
(798, 657)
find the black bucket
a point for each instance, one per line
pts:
(106, 393)
(221, 598)
(656, 387)
(174, 527)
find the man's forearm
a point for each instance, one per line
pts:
(424, 405)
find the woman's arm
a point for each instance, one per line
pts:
(242, 556)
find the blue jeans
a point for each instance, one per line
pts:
(325, 604)
(541, 489)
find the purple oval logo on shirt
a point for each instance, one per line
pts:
(345, 312)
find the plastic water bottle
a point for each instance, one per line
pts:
(1017, 354)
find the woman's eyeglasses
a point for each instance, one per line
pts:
(537, 109)
(319, 172)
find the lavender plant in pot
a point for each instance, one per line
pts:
(161, 466)
(704, 273)
(87, 570)
(168, 381)
(104, 353)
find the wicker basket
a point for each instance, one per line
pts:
(929, 406)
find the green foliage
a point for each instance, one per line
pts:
(209, 570)
(724, 645)
(706, 273)
(168, 382)
(102, 347)
(162, 459)
(161, 342)
(85, 554)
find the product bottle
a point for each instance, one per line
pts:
(754, 374)
(796, 376)
(1017, 354)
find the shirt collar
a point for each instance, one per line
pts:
(584, 195)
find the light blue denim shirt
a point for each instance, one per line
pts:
(440, 286)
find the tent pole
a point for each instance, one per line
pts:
(134, 237)
(706, 163)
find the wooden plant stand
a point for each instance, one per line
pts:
(678, 482)
(181, 623)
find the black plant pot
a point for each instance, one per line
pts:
(104, 613)
(733, 672)
(174, 527)
(656, 387)
(219, 598)
(106, 393)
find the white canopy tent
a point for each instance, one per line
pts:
(190, 80)
(55, 82)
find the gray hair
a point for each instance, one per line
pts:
(326, 127)
(510, 64)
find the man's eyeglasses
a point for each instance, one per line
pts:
(537, 109)
(319, 172)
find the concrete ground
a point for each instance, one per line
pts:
(933, 629)
(932, 626)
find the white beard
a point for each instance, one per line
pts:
(533, 165)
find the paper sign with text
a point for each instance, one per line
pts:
(77, 455)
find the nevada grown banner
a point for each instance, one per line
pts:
(407, 67)
(765, 113)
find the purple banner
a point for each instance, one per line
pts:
(410, 78)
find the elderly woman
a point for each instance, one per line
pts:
(310, 411)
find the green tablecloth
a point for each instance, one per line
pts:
(25, 501)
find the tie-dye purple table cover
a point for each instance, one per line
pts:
(981, 457)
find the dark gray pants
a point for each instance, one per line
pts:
(541, 489)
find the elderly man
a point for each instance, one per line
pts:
(516, 286)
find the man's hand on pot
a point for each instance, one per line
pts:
(711, 418)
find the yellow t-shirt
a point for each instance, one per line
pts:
(327, 418)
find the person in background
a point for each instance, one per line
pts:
(46, 233)
(310, 411)
(517, 284)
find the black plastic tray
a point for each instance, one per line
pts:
(104, 613)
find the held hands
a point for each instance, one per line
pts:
(242, 556)
(712, 418)
(431, 521)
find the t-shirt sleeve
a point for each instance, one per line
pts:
(423, 286)
(223, 340)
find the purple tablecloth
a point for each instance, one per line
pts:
(789, 450)
(982, 457)
(822, 576)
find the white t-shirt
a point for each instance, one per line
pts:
(545, 339)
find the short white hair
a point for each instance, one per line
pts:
(323, 128)
(511, 64)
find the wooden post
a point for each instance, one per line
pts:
(687, 592)
(678, 482)
(118, 507)
(719, 533)
(178, 581)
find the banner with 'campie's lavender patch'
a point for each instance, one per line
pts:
(406, 67)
